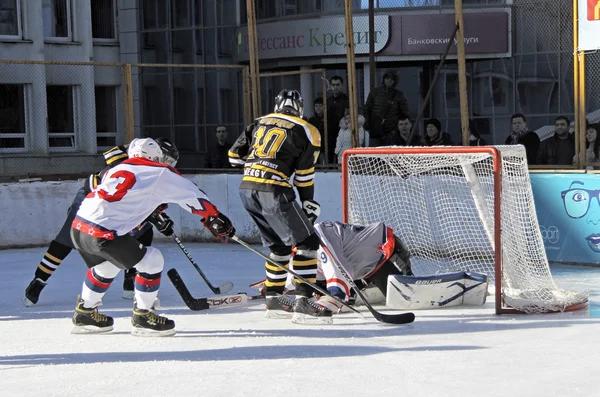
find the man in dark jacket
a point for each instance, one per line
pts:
(559, 149)
(337, 103)
(217, 157)
(384, 107)
(402, 133)
(520, 135)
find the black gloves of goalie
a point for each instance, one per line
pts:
(312, 210)
(220, 226)
(162, 222)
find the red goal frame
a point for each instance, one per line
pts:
(497, 173)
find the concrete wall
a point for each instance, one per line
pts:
(34, 212)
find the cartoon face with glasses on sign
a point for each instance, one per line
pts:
(578, 204)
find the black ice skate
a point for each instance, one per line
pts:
(278, 306)
(128, 283)
(148, 323)
(32, 292)
(308, 311)
(89, 321)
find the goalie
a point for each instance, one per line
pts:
(369, 254)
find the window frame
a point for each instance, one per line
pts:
(59, 39)
(108, 134)
(75, 94)
(115, 27)
(26, 113)
(19, 35)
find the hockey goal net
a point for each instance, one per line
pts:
(460, 208)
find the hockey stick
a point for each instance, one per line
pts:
(194, 304)
(215, 302)
(400, 318)
(293, 273)
(228, 286)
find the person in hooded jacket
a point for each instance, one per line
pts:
(434, 135)
(384, 107)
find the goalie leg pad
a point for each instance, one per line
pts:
(440, 290)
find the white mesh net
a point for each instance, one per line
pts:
(442, 207)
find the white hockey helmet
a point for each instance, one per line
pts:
(147, 148)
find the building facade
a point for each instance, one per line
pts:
(55, 118)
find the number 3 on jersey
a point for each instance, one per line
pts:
(267, 145)
(121, 188)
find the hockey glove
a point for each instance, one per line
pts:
(312, 210)
(220, 226)
(162, 222)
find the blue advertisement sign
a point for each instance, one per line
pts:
(568, 210)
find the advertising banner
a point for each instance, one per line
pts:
(411, 35)
(589, 25)
(568, 211)
(312, 37)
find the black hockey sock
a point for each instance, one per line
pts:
(52, 259)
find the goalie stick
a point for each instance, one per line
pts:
(400, 318)
(228, 286)
(215, 302)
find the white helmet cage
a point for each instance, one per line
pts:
(147, 148)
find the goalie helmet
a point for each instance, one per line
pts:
(147, 148)
(289, 102)
(170, 152)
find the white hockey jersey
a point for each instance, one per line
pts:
(131, 191)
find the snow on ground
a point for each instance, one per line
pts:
(462, 351)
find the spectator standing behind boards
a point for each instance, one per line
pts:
(318, 121)
(402, 133)
(592, 144)
(344, 138)
(559, 149)
(337, 103)
(217, 157)
(474, 138)
(434, 135)
(521, 136)
(384, 107)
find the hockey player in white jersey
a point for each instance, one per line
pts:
(127, 195)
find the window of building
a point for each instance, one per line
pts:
(103, 19)
(57, 18)
(10, 22)
(61, 129)
(154, 14)
(106, 116)
(12, 116)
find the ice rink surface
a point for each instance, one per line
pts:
(464, 351)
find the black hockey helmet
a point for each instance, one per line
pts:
(170, 152)
(289, 102)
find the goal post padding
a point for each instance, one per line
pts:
(459, 208)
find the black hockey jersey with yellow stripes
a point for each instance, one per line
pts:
(112, 157)
(273, 148)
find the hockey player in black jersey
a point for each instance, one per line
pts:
(62, 245)
(272, 149)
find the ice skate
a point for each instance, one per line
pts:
(308, 311)
(278, 306)
(148, 323)
(32, 292)
(89, 321)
